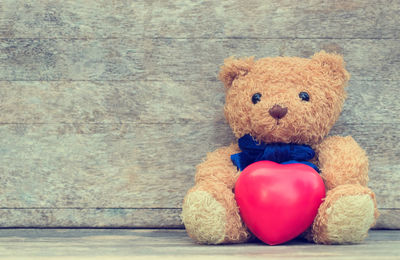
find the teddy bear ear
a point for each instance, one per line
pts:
(234, 68)
(333, 66)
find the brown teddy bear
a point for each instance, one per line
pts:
(284, 100)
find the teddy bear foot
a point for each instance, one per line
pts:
(346, 215)
(207, 221)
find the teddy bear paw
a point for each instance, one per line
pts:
(204, 217)
(345, 219)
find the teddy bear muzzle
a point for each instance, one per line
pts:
(278, 112)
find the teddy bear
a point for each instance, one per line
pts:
(284, 101)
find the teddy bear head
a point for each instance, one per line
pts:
(284, 99)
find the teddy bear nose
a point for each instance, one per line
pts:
(277, 111)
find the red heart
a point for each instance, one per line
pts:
(278, 202)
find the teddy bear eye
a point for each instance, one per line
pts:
(304, 96)
(256, 98)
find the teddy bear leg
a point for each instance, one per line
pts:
(345, 216)
(211, 215)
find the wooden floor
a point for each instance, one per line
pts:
(174, 243)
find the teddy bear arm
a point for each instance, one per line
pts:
(342, 161)
(218, 167)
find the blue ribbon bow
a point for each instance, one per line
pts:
(253, 151)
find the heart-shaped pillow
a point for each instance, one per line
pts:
(278, 202)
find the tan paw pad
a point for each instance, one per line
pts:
(350, 218)
(204, 218)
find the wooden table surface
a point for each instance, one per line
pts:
(174, 244)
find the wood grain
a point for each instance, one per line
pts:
(178, 59)
(164, 102)
(388, 219)
(199, 19)
(39, 102)
(175, 244)
(72, 19)
(91, 217)
(276, 19)
(107, 106)
(122, 218)
(141, 165)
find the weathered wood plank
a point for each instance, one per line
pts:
(74, 59)
(383, 180)
(200, 19)
(142, 165)
(177, 59)
(123, 218)
(95, 165)
(175, 244)
(39, 102)
(72, 19)
(91, 217)
(389, 219)
(275, 19)
(111, 102)
(173, 59)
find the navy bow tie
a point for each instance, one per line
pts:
(253, 151)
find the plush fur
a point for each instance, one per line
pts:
(210, 212)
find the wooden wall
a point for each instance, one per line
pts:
(107, 106)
